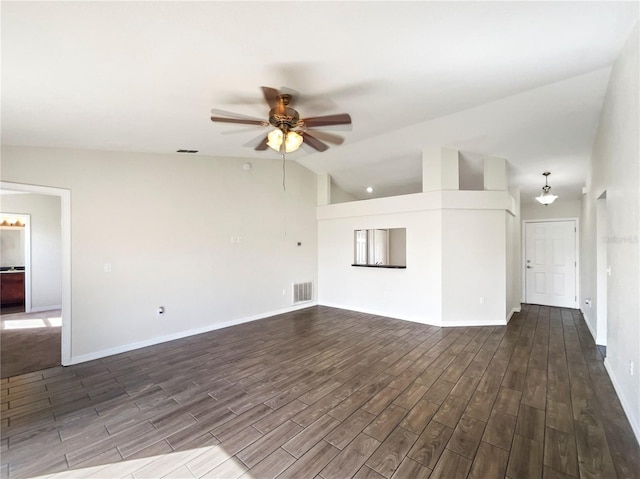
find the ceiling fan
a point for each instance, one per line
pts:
(290, 130)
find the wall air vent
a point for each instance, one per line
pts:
(302, 292)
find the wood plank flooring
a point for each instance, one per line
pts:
(325, 393)
(26, 349)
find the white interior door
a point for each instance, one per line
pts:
(550, 262)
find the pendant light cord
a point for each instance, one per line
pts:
(284, 188)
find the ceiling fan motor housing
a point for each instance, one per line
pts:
(284, 118)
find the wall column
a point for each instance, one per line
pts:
(324, 189)
(440, 169)
(496, 174)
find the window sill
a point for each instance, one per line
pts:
(387, 266)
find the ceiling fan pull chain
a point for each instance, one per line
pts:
(284, 188)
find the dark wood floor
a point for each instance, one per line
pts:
(29, 349)
(327, 393)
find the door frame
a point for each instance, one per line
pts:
(524, 251)
(65, 227)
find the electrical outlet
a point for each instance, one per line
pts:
(481, 299)
(107, 267)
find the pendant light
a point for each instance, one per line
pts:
(546, 197)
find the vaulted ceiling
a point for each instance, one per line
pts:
(519, 80)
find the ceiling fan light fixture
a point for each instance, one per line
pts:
(275, 139)
(546, 197)
(291, 139)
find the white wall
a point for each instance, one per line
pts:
(412, 293)
(473, 267)
(398, 246)
(46, 246)
(614, 169)
(12, 246)
(165, 223)
(561, 208)
(456, 254)
(338, 195)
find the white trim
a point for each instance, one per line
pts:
(27, 265)
(524, 259)
(439, 323)
(628, 410)
(513, 311)
(471, 324)
(386, 314)
(40, 309)
(65, 226)
(182, 334)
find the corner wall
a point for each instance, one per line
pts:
(456, 270)
(212, 243)
(614, 169)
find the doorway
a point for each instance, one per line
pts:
(551, 263)
(64, 318)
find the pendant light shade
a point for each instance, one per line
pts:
(546, 197)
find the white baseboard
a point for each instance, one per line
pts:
(413, 319)
(628, 410)
(386, 314)
(40, 309)
(513, 311)
(182, 334)
(458, 324)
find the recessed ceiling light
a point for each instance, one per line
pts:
(369, 189)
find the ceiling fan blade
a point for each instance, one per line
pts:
(328, 137)
(271, 96)
(313, 142)
(263, 144)
(220, 119)
(230, 114)
(338, 119)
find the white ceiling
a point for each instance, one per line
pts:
(519, 80)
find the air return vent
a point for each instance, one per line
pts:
(302, 292)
